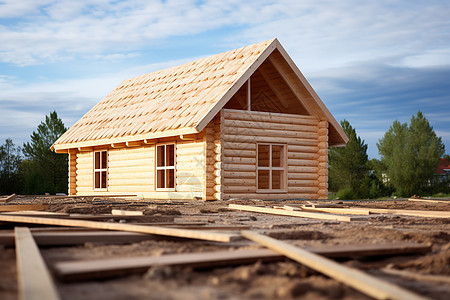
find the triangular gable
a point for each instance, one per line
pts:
(184, 99)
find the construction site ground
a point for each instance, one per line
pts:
(272, 280)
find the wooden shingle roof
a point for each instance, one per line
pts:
(170, 102)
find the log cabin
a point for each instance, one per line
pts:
(240, 124)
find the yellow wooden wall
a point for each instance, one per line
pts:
(131, 170)
(307, 142)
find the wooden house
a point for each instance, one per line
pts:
(241, 124)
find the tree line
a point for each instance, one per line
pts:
(409, 155)
(34, 169)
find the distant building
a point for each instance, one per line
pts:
(443, 170)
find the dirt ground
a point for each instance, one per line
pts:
(278, 280)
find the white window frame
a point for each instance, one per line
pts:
(270, 168)
(100, 170)
(166, 167)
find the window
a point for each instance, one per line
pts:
(165, 167)
(271, 167)
(100, 169)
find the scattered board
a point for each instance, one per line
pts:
(183, 233)
(357, 279)
(34, 279)
(22, 207)
(8, 198)
(301, 214)
(104, 268)
(406, 212)
(119, 212)
(429, 200)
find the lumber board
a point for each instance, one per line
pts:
(103, 268)
(301, 214)
(183, 233)
(71, 238)
(345, 211)
(120, 212)
(363, 282)
(406, 212)
(22, 207)
(8, 198)
(417, 276)
(34, 279)
(429, 200)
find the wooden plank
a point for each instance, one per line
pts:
(417, 276)
(295, 213)
(363, 282)
(8, 198)
(405, 212)
(119, 212)
(102, 268)
(429, 200)
(345, 211)
(34, 279)
(184, 233)
(71, 238)
(23, 207)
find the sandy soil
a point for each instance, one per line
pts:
(280, 280)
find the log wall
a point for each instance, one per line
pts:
(306, 141)
(131, 170)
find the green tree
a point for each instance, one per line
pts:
(411, 154)
(45, 170)
(348, 165)
(10, 159)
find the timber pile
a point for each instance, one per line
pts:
(35, 281)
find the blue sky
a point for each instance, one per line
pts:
(371, 62)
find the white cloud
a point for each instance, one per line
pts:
(318, 34)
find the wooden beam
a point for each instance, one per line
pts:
(429, 200)
(301, 96)
(188, 137)
(23, 207)
(101, 268)
(62, 151)
(85, 149)
(34, 279)
(119, 212)
(249, 95)
(118, 145)
(417, 276)
(295, 213)
(183, 233)
(363, 282)
(8, 198)
(133, 143)
(71, 238)
(272, 86)
(150, 141)
(407, 212)
(345, 211)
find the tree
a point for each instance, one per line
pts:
(10, 160)
(411, 154)
(348, 165)
(46, 171)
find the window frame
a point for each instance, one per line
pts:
(101, 170)
(270, 168)
(165, 168)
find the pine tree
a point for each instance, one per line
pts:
(46, 171)
(10, 160)
(411, 154)
(348, 165)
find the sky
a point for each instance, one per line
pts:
(371, 62)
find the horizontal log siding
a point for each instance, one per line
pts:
(132, 171)
(306, 139)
